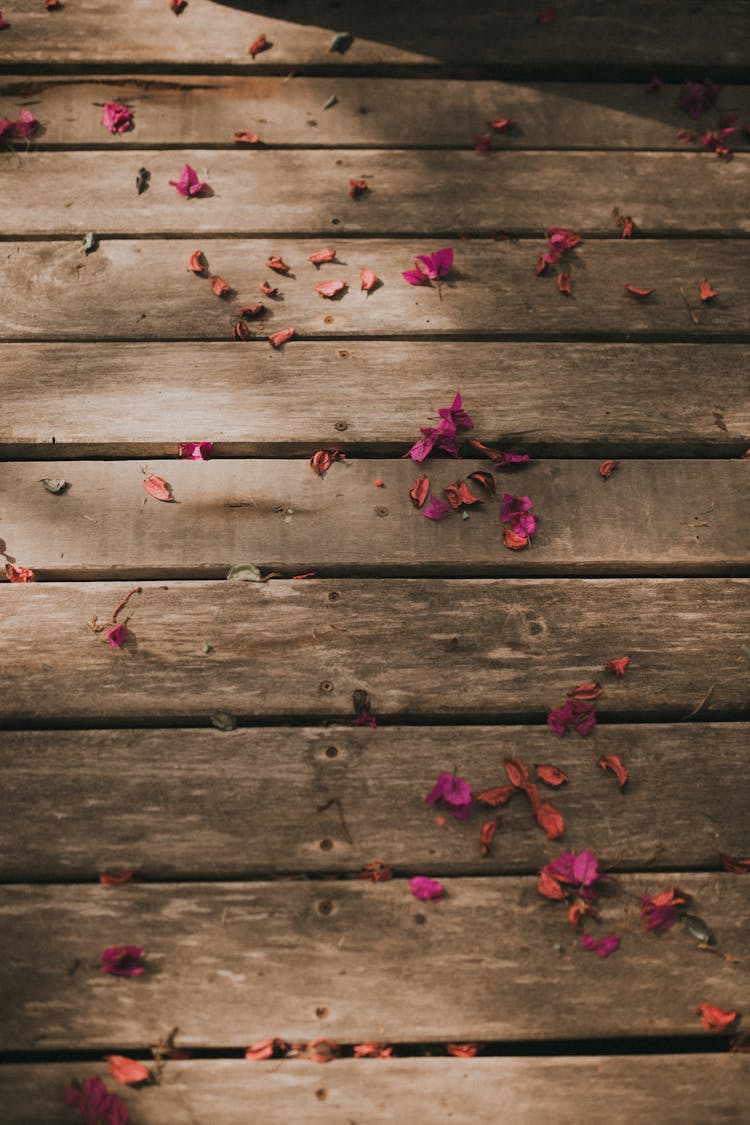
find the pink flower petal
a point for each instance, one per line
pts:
(117, 118)
(116, 636)
(330, 288)
(195, 450)
(415, 276)
(188, 184)
(436, 509)
(429, 890)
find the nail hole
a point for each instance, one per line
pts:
(335, 222)
(420, 919)
(343, 354)
(341, 426)
(382, 511)
(328, 320)
(326, 685)
(321, 1094)
(321, 1013)
(325, 907)
(332, 752)
(334, 596)
(326, 845)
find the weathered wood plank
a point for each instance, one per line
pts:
(233, 963)
(424, 647)
(141, 290)
(158, 800)
(444, 113)
(415, 192)
(672, 1089)
(502, 34)
(679, 517)
(142, 399)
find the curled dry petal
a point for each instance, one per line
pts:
(715, 1018)
(330, 288)
(636, 292)
(197, 262)
(462, 1050)
(259, 45)
(368, 280)
(251, 311)
(220, 287)
(613, 762)
(459, 493)
(436, 509)
(357, 188)
(268, 290)
(549, 886)
(513, 541)
(373, 1051)
(320, 462)
(486, 480)
(158, 488)
(117, 118)
(128, 1071)
(321, 256)
(278, 264)
(707, 293)
(266, 1049)
(736, 866)
(565, 284)
(617, 666)
(586, 691)
(240, 331)
(500, 795)
(550, 819)
(603, 947)
(501, 124)
(517, 772)
(116, 879)
(487, 834)
(245, 137)
(376, 872)
(276, 339)
(188, 184)
(419, 491)
(122, 961)
(607, 468)
(551, 775)
(19, 574)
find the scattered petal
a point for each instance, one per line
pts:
(564, 284)
(487, 834)
(178, 6)
(601, 946)
(116, 879)
(659, 913)
(321, 1050)
(586, 691)
(268, 290)
(551, 775)
(462, 1050)
(639, 293)
(116, 635)
(379, 483)
(330, 288)
(500, 795)
(220, 287)
(195, 450)
(259, 45)
(482, 143)
(613, 762)
(245, 137)
(513, 541)
(128, 1071)
(197, 263)
(95, 1103)
(454, 794)
(321, 461)
(502, 124)
(427, 889)
(373, 1051)
(321, 256)
(266, 1049)
(368, 280)
(486, 480)
(240, 331)
(459, 493)
(19, 574)
(158, 488)
(707, 293)
(419, 491)
(436, 509)
(358, 188)
(278, 264)
(607, 468)
(617, 666)
(122, 961)
(714, 1018)
(575, 714)
(549, 886)
(3, 23)
(117, 118)
(188, 184)
(251, 311)
(276, 339)
(376, 872)
(517, 773)
(736, 866)
(222, 720)
(550, 819)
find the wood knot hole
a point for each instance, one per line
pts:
(321, 1013)
(334, 596)
(381, 511)
(325, 907)
(332, 752)
(325, 845)
(321, 1093)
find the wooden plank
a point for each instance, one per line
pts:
(232, 963)
(141, 290)
(142, 399)
(502, 34)
(495, 648)
(158, 800)
(672, 1088)
(206, 111)
(415, 192)
(285, 518)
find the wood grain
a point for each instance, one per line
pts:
(495, 648)
(661, 517)
(698, 1087)
(158, 801)
(142, 290)
(140, 400)
(232, 963)
(388, 34)
(206, 111)
(409, 192)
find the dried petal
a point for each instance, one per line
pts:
(116, 635)
(368, 280)
(617, 666)
(188, 184)
(220, 287)
(607, 468)
(122, 961)
(517, 772)
(19, 574)
(376, 872)
(419, 491)
(601, 946)
(550, 819)
(95, 1103)
(268, 290)
(564, 284)
(486, 480)
(429, 890)
(459, 493)
(128, 1071)
(462, 1050)
(487, 834)
(454, 795)
(736, 866)
(266, 1049)
(372, 1051)
(659, 912)
(321, 1050)
(158, 488)
(715, 1018)
(551, 775)
(501, 124)
(513, 541)
(321, 256)
(707, 293)
(500, 795)
(320, 462)
(613, 762)
(358, 188)
(253, 310)
(586, 691)
(259, 45)
(117, 118)
(436, 509)
(240, 331)
(636, 292)
(549, 886)
(197, 263)
(116, 879)
(245, 137)
(178, 6)
(278, 338)
(278, 264)
(3, 23)
(330, 288)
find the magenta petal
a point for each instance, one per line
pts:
(414, 277)
(436, 509)
(562, 867)
(116, 117)
(116, 636)
(426, 889)
(443, 260)
(585, 868)
(188, 183)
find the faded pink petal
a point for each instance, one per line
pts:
(454, 792)
(511, 507)
(575, 714)
(427, 889)
(188, 184)
(436, 509)
(330, 288)
(601, 946)
(117, 118)
(195, 450)
(116, 636)
(321, 256)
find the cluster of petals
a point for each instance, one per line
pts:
(117, 118)
(696, 97)
(434, 267)
(454, 795)
(122, 961)
(571, 873)
(373, 1051)
(21, 130)
(453, 418)
(266, 1049)
(95, 1103)
(516, 510)
(660, 912)
(19, 574)
(575, 714)
(559, 241)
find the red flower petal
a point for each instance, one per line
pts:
(500, 795)
(714, 1018)
(737, 866)
(128, 1071)
(376, 872)
(372, 1051)
(707, 293)
(586, 691)
(617, 666)
(462, 1050)
(258, 45)
(513, 541)
(244, 137)
(501, 124)
(357, 188)
(517, 772)
(487, 833)
(320, 462)
(240, 331)
(636, 292)
(220, 287)
(19, 574)
(486, 480)
(607, 468)
(549, 886)
(322, 256)
(276, 339)
(268, 290)
(550, 819)
(330, 288)
(564, 284)
(459, 493)
(419, 491)
(266, 1049)
(253, 310)
(111, 879)
(278, 264)
(158, 488)
(551, 775)
(197, 262)
(614, 762)
(368, 280)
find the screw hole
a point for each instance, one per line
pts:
(334, 596)
(341, 426)
(343, 354)
(332, 752)
(381, 511)
(328, 320)
(325, 907)
(420, 919)
(326, 686)
(326, 845)
(335, 222)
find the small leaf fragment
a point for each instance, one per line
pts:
(206, 647)
(142, 180)
(332, 101)
(614, 763)
(89, 242)
(56, 487)
(698, 929)
(607, 468)
(419, 491)
(639, 293)
(551, 775)
(222, 720)
(244, 572)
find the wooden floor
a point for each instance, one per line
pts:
(246, 843)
